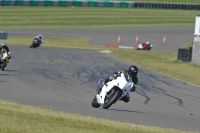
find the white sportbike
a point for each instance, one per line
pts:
(112, 91)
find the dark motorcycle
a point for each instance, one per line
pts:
(141, 47)
(35, 43)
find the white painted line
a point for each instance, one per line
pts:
(126, 47)
(106, 51)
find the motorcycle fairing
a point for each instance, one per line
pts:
(121, 82)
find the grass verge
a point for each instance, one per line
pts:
(72, 42)
(188, 45)
(53, 17)
(18, 118)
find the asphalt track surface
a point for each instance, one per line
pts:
(65, 80)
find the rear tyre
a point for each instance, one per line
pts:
(95, 103)
(112, 99)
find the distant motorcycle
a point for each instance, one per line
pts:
(35, 43)
(4, 60)
(112, 91)
(144, 47)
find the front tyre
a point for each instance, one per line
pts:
(3, 67)
(32, 45)
(95, 103)
(111, 100)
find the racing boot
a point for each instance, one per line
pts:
(132, 89)
(126, 98)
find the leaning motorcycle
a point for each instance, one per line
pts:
(35, 43)
(112, 91)
(4, 61)
(140, 47)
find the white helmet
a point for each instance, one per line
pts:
(3, 44)
(147, 42)
(40, 36)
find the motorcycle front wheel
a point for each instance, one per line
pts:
(32, 45)
(3, 67)
(112, 99)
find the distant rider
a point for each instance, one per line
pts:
(4, 46)
(40, 39)
(2, 52)
(132, 72)
(144, 46)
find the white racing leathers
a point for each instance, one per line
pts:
(113, 91)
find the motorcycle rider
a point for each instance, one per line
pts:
(40, 39)
(144, 46)
(132, 72)
(2, 51)
(4, 46)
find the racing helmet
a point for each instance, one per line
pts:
(40, 36)
(147, 43)
(3, 44)
(133, 71)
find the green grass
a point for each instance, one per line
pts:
(174, 1)
(52, 17)
(73, 42)
(188, 45)
(18, 118)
